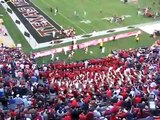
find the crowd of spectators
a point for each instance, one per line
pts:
(124, 85)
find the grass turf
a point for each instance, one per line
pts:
(96, 10)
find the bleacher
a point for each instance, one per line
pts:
(122, 86)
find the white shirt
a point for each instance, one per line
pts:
(86, 63)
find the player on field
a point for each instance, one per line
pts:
(55, 11)
(84, 14)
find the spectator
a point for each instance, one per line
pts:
(118, 86)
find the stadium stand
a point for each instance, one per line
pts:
(5, 38)
(124, 85)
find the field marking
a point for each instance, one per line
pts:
(72, 22)
(85, 21)
(80, 17)
(66, 18)
(150, 28)
(46, 14)
(99, 33)
(126, 16)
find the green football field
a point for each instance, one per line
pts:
(95, 11)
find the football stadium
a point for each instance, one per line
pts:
(80, 60)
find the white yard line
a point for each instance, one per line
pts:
(66, 18)
(100, 33)
(72, 22)
(45, 13)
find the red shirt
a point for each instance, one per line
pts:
(115, 109)
(68, 117)
(75, 103)
(138, 99)
(113, 118)
(124, 94)
(119, 103)
(109, 93)
(141, 60)
(90, 116)
(82, 117)
(13, 113)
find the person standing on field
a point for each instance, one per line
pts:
(56, 11)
